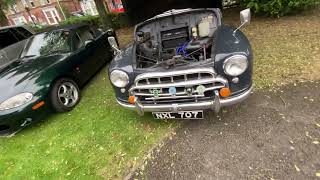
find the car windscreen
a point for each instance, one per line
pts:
(7, 38)
(47, 43)
(11, 53)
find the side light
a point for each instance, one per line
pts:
(38, 105)
(225, 92)
(132, 99)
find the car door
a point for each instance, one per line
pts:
(104, 50)
(86, 50)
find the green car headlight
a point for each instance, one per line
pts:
(16, 101)
(119, 78)
(235, 65)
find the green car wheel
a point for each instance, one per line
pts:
(65, 95)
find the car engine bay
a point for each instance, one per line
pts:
(175, 40)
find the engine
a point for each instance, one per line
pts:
(171, 39)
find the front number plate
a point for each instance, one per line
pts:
(178, 115)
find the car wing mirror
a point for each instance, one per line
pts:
(245, 19)
(88, 43)
(114, 45)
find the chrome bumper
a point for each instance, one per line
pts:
(215, 104)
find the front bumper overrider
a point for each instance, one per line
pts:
(215, 104)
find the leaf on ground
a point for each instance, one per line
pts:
(297, 168)
(318, 174)
(315, 142)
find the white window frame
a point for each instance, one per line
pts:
(24, 3)
(32, 2)
(19, 20)
(32, 17)
(44, 2)
(13, 8)
(89, 5)
(53, 12)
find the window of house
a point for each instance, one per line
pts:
(89, 7)
(32, 4)
(19, 20)
(51, 15)
(14, 8)
(24, 3)
(115, 5)
(44, 2)
(32, 18)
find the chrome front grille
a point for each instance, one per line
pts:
(153, 88)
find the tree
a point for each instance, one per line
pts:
(103, 13)
(4, 4)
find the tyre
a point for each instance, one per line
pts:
(64, 95)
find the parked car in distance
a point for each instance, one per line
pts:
(48, 73)
(183, 62)
(13, 34)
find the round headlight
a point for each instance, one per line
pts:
(119, 78)
(235, 65)
(16, 101)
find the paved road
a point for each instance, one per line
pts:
(274, 135)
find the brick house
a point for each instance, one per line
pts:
(51, 12)
(88, 6)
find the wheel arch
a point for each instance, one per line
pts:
(68, 76)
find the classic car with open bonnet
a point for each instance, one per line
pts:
(181, 63)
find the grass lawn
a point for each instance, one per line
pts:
(99, 139)
(286, 50)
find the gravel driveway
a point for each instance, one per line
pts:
(273, 135)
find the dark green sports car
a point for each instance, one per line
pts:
(47, 73)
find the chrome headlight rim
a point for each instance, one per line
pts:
(16, 101)
(114, 78)
(232, 58)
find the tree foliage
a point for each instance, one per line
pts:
(277, 8)
(4, 4)
(103, 13)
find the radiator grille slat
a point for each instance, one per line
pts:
(153, 88)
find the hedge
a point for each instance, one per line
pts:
(278, 8)
(118, 20)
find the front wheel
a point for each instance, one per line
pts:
(65, 95)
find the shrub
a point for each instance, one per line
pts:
(118, 20)
(92, 20)
(277, 8)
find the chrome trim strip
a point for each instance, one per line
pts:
(179, 93)
(175, 97)
(180, 84)
(174, 73)
(215, 104)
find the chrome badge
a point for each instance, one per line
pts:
(155, 92)
(172, 91)
(201, 89)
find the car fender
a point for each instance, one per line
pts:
(226, 44)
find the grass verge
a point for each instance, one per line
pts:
(286, 50)
(98, 139)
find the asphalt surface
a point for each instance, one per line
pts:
(273, 135)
